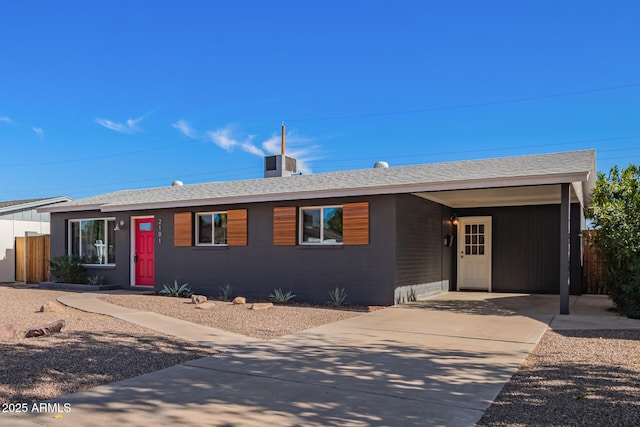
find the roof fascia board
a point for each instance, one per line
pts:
(72, 208)
(37, 204)
(367, 191)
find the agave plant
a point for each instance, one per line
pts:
(176, 290)
(280, 297)
(225, 292)
(338, 297)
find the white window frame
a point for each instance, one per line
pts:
(213, 231)
(106, 237)
(301, 225)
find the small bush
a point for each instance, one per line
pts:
(175, 290)
(67, 269)
(338, 297)
(95, 280)
(280, 297)
(226, 292)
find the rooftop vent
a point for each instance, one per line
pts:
(177, 183)
(381, 165)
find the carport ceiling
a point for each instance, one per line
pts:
(503, 196)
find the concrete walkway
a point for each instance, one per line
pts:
(203, 335)
(436, 362)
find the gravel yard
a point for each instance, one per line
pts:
(574, 378)
(91, 349)
(263, 324)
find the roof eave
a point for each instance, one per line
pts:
(358, 191)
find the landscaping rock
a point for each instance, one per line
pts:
(205, 306)
(9, 331)
(48, 329)
(261, 306)
(198, 299)
(51, 307)
(239, 300)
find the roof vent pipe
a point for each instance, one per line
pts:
(177, 184)
(381, 165)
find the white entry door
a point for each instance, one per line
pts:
(474, 253)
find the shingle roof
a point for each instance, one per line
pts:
(575, 166)
(11, 205)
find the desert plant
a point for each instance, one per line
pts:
(96, 280)
(280, 297)
(176, 290)
(225, 292)
(67, 269)
(338, 297)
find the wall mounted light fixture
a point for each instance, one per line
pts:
(118, 225)
(454, 219)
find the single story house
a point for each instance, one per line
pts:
(500, 225)
(18, 217)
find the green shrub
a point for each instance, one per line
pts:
(175, 290)
(615, 215)
(338, 297)
(67, 269)
(280, 297)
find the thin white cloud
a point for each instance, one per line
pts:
(185, 128)
(222, 138)
(130, 126)
(38, 131)
(250, 148)
(298, 147)
(5, 119)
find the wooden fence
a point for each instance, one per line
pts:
(592, 268)
(32, 259)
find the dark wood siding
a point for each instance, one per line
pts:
(420, 251)
(526, 243)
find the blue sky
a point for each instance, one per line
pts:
(108, 95)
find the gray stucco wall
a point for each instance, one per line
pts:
(526, 245)
(366, 271)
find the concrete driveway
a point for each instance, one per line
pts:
(437, 362)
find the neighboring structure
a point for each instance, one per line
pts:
(18, 217)
(381, 233)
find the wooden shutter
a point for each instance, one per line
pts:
(182, 229)
(355, 223)
(237, 227)
(284, 226)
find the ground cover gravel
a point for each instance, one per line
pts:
(91, 350)
(275, 322)
(574, 378)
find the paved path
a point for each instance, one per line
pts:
(436, 362)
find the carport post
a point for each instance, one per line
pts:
(565, 247)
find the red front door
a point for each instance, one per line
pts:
(143, 256)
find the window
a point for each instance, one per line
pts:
(211, 229)
(321, 225)
(93, 240)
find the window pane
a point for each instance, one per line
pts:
(220, 227)
(111, 239)
(92, 241)
(205, 229)
(145, 226)
(481, 228)
(474, 250)
(75, 239)
(474, 228)
(332, 225)
(481, 249)
(311, 225)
